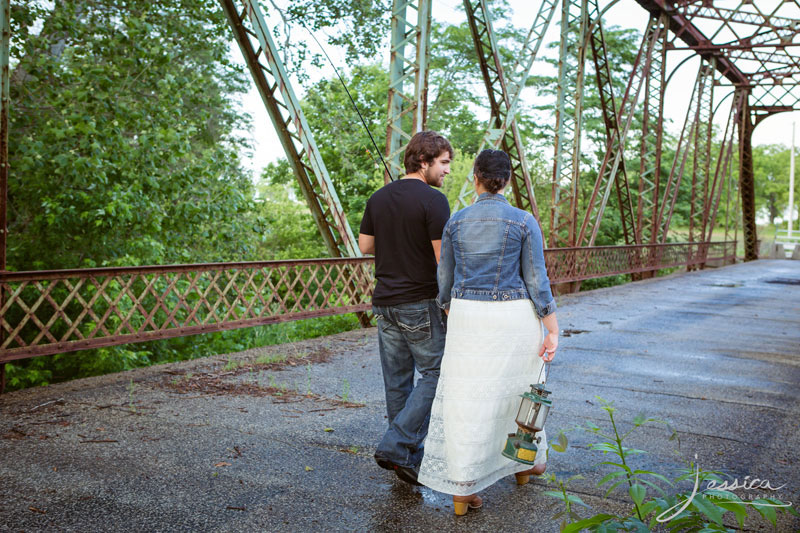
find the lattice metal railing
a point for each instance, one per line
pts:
(582, 263)
(61, 311)
(47, 312)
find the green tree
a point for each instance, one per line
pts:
(289, 229)
(123, 116)
(124, 153)
(771, 177)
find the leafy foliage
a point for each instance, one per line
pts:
(125, 150)
(694, 511)
(126, 153)
(356, 26)
(771, 173)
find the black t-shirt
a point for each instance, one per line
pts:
(405, 216)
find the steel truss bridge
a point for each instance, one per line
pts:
(749, 70)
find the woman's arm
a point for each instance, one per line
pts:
(444, 273)
(550, 343)
(534, 271)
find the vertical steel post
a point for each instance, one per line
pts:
(566, 163)
(746, 182)
(5, 104)
(275, 87)
(423, 61)
(690, 124)
(722, 168)
(701, 162)
(403, 101)
(608, 106)
(652, 139)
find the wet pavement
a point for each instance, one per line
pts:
(250, 443)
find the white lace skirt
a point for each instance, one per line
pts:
(490, 359)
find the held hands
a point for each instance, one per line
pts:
(549, 346)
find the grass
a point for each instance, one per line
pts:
(271, 359)
(131, 389)
(764, 232)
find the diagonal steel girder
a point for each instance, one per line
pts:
(611, 120)
(705, 75)
(504, 89)
(567, 141)
(723, 167)
(254, 38)
(614, 155)
(683, 29)
(408, 79)
(651, 142)
(701, 161)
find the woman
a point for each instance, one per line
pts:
(493, 284)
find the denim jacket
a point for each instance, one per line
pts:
(492, 251)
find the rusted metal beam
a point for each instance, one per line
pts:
(746, 181)
(613, 135)
(504, 89)
(723, 166)
(261, 56)
(615, 150)
(701, 161)
(690, 125)
(683, 28)
(651, 143)
(567, 142)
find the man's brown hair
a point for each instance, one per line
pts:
(425, 146)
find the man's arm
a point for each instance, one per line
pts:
(437, 249)
(366, 243)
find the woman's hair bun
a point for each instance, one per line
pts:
(493, 169)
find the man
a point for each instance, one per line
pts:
(402, 226)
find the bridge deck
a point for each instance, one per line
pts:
(198, 446)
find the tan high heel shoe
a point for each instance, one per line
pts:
(462, 503)
(525, 476)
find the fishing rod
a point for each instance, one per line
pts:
(363, 122)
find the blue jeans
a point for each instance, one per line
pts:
(410, 336)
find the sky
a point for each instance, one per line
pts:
(625, 14)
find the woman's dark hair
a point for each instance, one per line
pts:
(493, 169)
(425, 146)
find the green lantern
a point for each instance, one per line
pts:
(531, 417)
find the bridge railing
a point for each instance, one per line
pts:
(48, 312)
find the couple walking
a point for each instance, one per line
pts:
(472, 327)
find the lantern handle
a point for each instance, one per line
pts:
(546, 369)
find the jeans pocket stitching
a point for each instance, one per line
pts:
(418, 331)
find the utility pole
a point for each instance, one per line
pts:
(791, 183)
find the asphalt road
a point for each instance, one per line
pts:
(276, 445)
